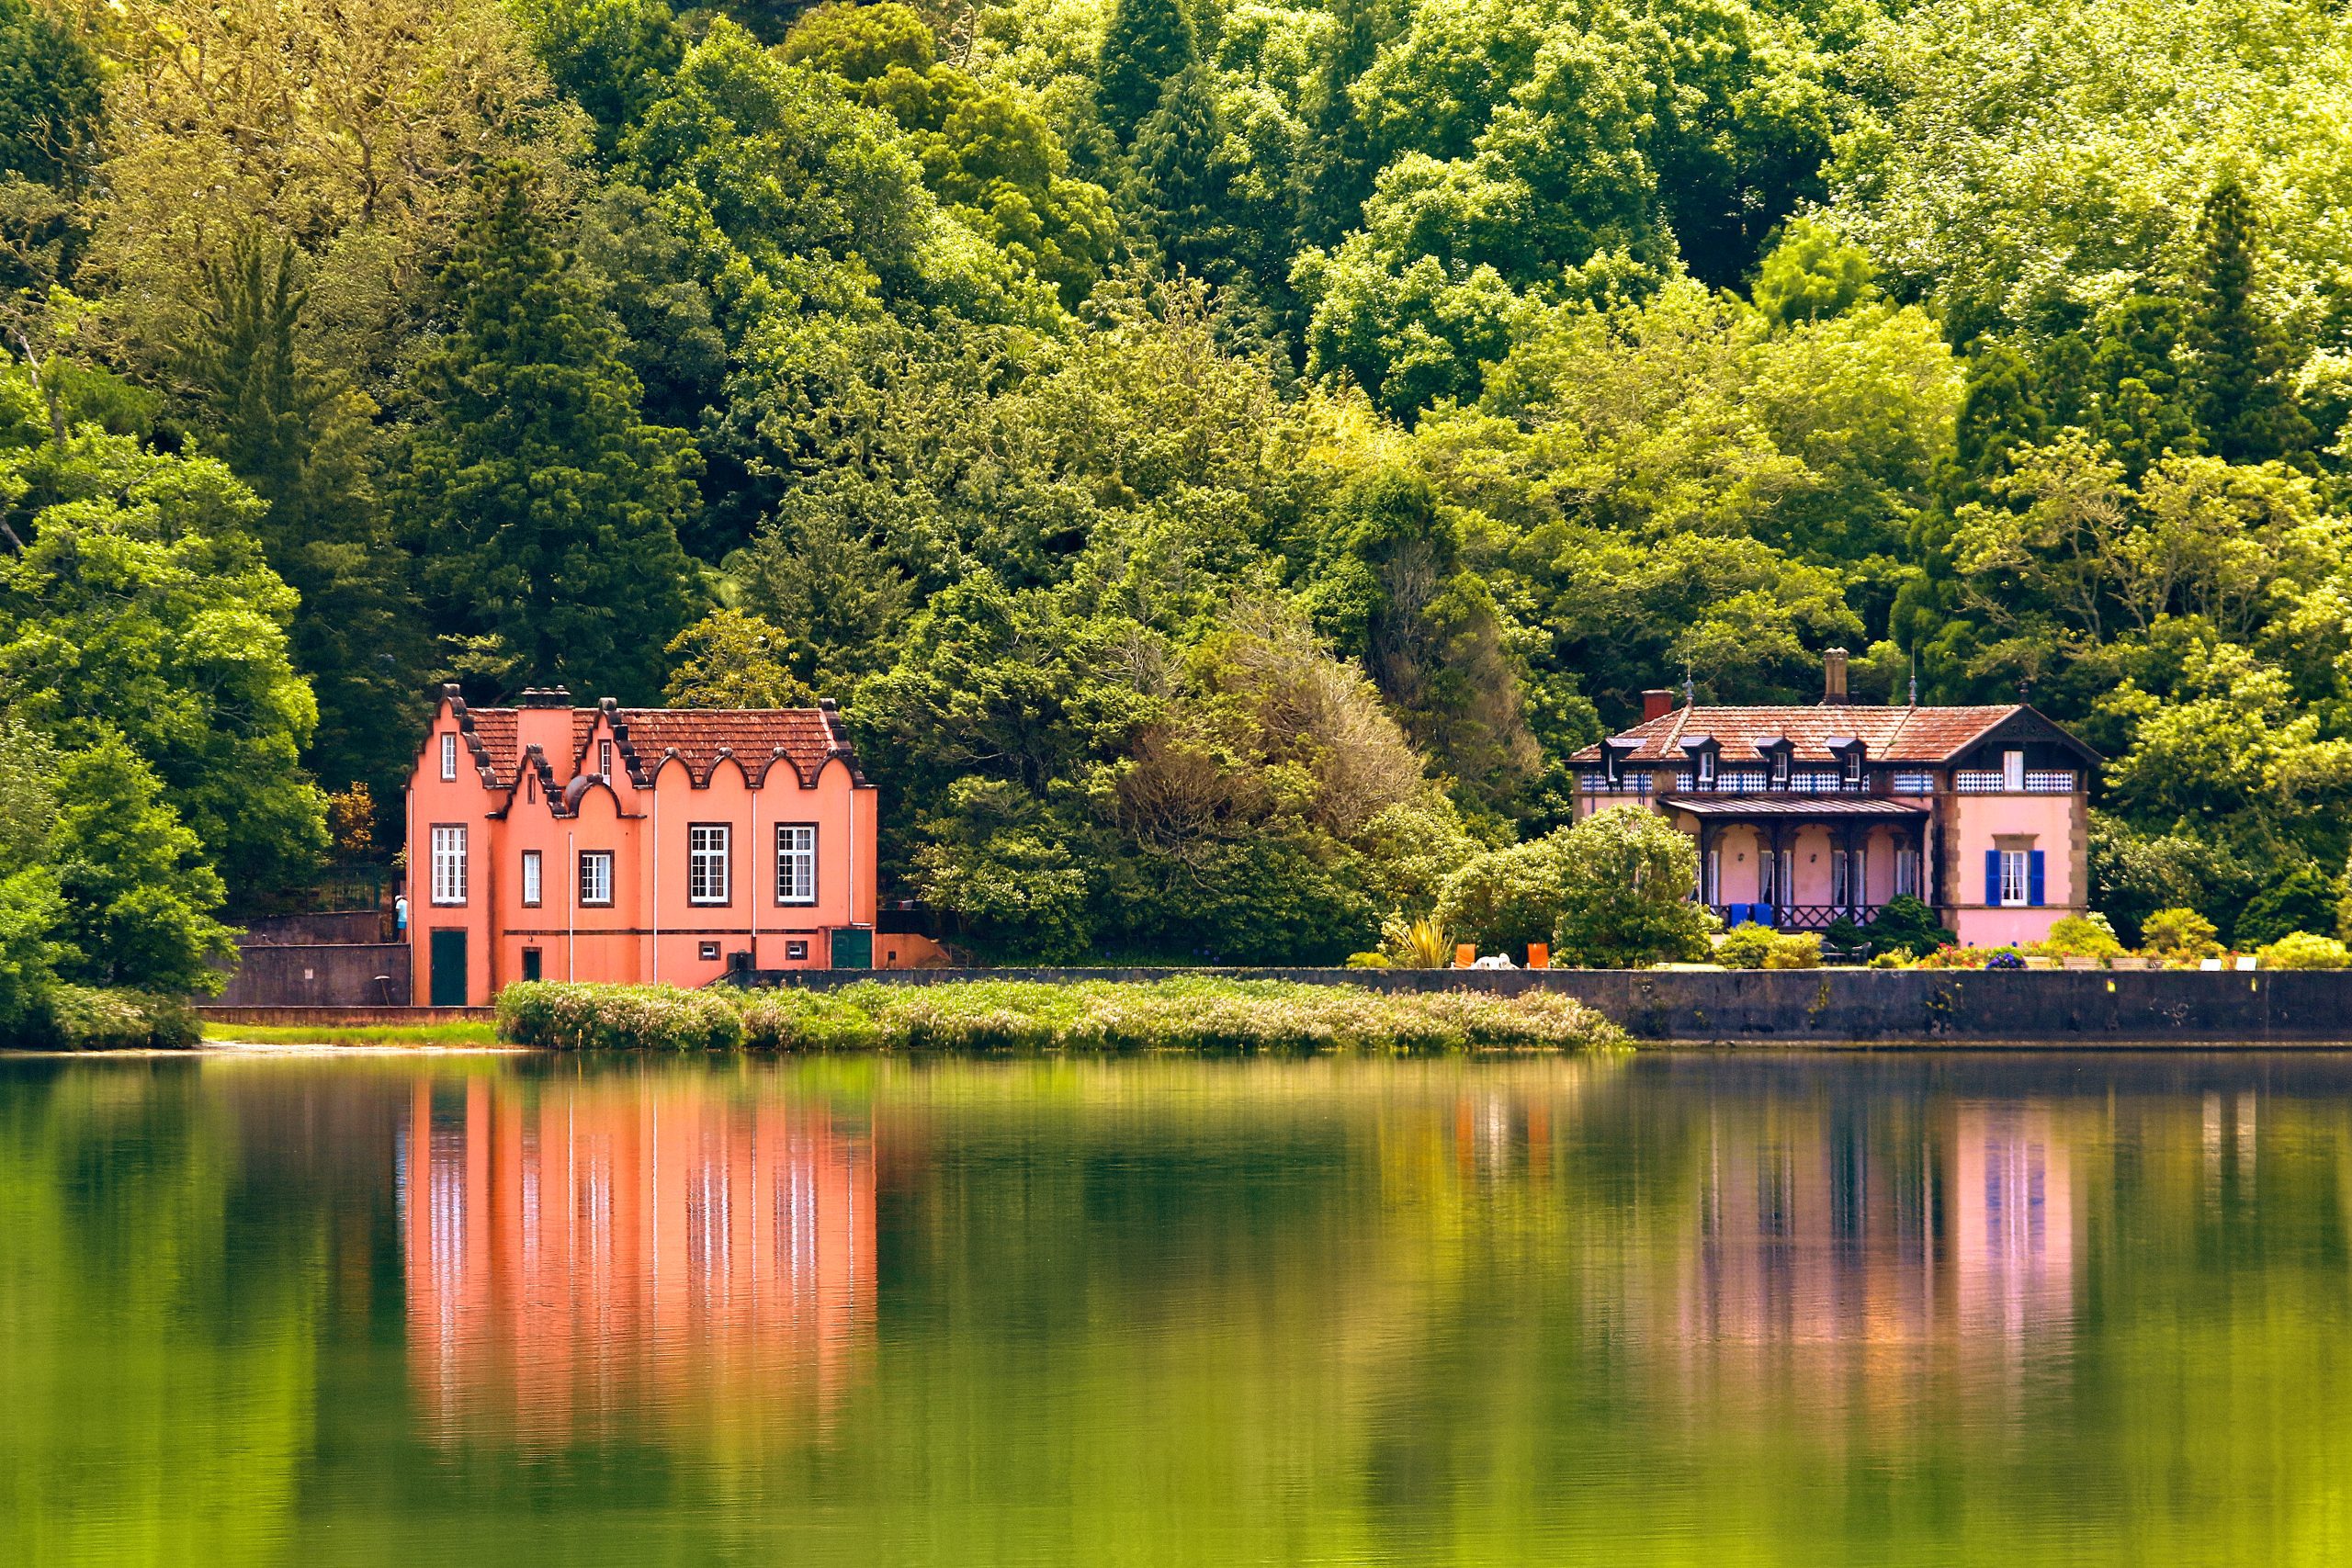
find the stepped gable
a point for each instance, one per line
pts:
(1888, 734)
(803, 738)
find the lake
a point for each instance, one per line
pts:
(1665, 1308)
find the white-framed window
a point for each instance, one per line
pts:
(449, 864)
(2015, 876)
(1768, 880)
(449, 758)
(531, 878)
(1906, 874)
(604, 758)
(2013, 771)
(1780, 769)
(796, 863)
(1713, 894)
(596, 877)
(1841, 878)
(1706, 764)
(706, 861)
(1854, 766)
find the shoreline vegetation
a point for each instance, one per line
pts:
(1210, 1016)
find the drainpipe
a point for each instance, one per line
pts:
(571, 910)
(752, 883)
(653, 883)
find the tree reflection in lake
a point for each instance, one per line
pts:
(1658, 1308)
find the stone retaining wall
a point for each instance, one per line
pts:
(365, 974)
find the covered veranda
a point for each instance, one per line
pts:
(1804, 863)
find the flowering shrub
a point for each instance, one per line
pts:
(1794, 950)
(1203, 1014)
(2006, 959)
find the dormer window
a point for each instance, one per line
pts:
(449, 758)
(1781, 768)
(1778, 767)
(1705, 759)
(1614, 754)
(1850, 753)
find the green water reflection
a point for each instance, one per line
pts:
(1675, 1308)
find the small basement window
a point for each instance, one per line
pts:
(707, 951)
(795, 953)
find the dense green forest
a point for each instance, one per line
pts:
(1223, 455)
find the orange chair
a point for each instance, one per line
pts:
(1539, 956)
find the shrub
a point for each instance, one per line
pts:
(2004, 958)
(1202, 1014)
(2302, 950)
(1626, 881)
(1503, 900)
(86, 1018)
(2178, 936)
(2303, 900)
(1745, 946)
(1907, 925)
(588, 1018)
(1952, 955)
(1794, 950)
(2083, 936)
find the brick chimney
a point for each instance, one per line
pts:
(1656, 704)
(543, 718)
(1833, 677)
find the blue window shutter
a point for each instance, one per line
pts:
(1992, 876)
(2034, 879)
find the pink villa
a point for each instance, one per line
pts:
(1807, 814)
(635, 844)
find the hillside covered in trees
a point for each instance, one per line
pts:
(1223, 455)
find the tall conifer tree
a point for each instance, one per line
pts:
(1177, 159)
(2250, 411)
(545, 505)
(1145, 45)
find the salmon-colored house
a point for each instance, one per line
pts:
(634, 844)
(1806, 815)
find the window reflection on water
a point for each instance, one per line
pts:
(577, 1252)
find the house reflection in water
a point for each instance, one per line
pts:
(1820, 1227)
(663, 1248)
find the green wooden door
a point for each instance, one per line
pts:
(449, 969)
(852, 949)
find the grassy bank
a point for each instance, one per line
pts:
(366, 1035)
(1205, 1015)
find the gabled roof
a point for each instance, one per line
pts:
(1888, 734)
(804, 740)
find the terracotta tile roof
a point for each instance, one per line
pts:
(802, 739)
(1888, 734)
